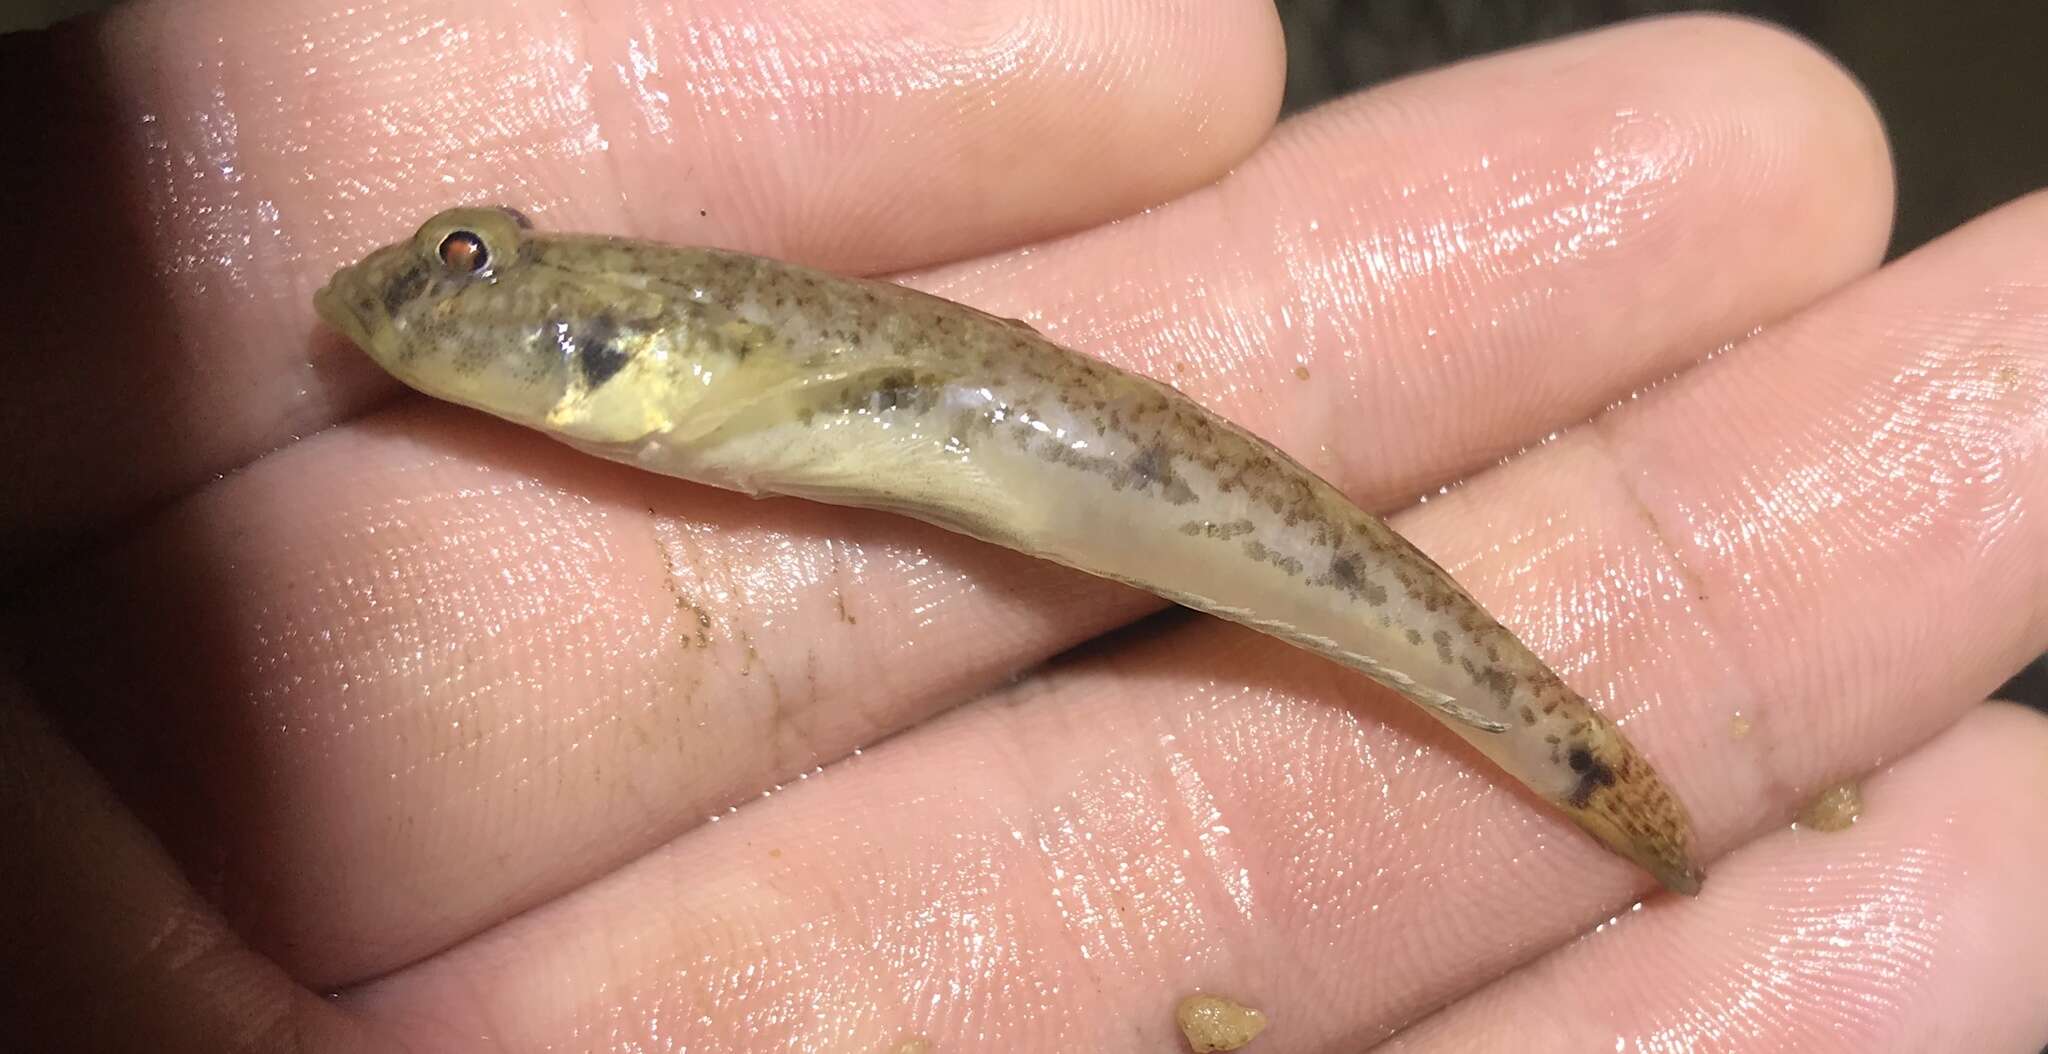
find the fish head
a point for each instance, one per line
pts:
(547, 331)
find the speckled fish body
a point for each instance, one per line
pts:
(767, 378)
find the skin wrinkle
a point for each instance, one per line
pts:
(1059, 961)
(614, 192)
(845, 583)
(1226, 871)
(1766, 767)
(1494, 256)
(1876, 440)
(793, 745)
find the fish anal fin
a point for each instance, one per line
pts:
(1430, 699)
(1449, 707)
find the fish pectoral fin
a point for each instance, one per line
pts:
(765, 396)
(957, 513)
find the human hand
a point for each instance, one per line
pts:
(428, 712)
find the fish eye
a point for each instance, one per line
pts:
(469, 241)
(464, 252)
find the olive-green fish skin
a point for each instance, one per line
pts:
(768, 378)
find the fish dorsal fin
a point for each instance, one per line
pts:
(921, 295)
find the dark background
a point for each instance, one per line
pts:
(1962, 88)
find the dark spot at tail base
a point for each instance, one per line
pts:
(1593, 775)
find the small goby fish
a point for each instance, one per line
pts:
(772, 379)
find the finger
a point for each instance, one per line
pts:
(203, 170)
(104, 944)
(1516, 241)
(506, 616)
(1199, 810)
(1918, 929)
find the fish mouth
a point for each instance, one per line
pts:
(336, 305)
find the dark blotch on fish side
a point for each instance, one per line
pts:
(598, 354)
(1153, 465)
(897, 389)
(1494, 679)
(1260, 552)
(1502, 684)
(1593, 775)
(1344, 574)
(1220, 531)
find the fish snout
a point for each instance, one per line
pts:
(353, 301)
(333, 305)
